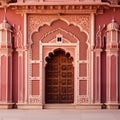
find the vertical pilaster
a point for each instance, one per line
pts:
(112, 78)
(97, 66)
(21, 76)
(97, 76)
(112, 52)
(5, 65)
(26, 57)
(92, 54)
(21, 66)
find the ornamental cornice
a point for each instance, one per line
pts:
(59, 9)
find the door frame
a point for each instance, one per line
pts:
(66, 47)
(58, 58)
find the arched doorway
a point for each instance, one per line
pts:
(59, 77)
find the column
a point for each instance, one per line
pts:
(5, 65)
(97, 76)
(112, 52)
(20, 48)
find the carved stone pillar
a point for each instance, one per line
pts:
(97, 66)
(5, 65)
(21, 76)
(112, 51)
(97, 76)
(21, 66)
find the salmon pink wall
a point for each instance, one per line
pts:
(15, 77)
(35, 87)
(83, 87)
(15, 20)
(113, 78)
(9, 77)
(107, 17)
(103, 77)
(35, 70)
(3, 82)
(101, 19)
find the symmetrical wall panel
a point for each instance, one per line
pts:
(43, 33)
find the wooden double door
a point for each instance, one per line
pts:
(59, 75)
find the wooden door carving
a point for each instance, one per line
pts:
(59, 75)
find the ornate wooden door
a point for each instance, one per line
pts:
(59, 78)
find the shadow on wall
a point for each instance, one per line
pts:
(115, 2)
(119, 81)
(13, 1)
(118, 2)
(109, 1)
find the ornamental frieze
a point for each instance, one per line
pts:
(36, 21)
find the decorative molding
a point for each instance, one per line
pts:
(35, 99)
(64, 40)
(37, 21)
(99, 42)
(82, 99)
(59, 9)
(19, 42)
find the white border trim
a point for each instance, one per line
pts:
(42, 67)
(91, 58)
(25, 57)
(0, 78)
(87, 61)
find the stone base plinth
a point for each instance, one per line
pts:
(6, 105)
(59, 106)
(88, 106)
(72, 106)
(112, 106)
(29, 106)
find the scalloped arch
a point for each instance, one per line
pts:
(53, 23)
(74, 35)
(46, 29)
(57, 51)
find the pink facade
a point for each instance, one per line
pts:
(59, 54)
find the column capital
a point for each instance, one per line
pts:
(6, 51)
(112, 50)
(21, 49)
(98, 50)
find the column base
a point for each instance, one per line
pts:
(112, 106)
(29, 106)
(89, 106)
(6, 105)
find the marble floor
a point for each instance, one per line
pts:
(62, 114)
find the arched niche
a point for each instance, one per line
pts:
(48, 32)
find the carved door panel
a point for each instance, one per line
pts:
(60, 79)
